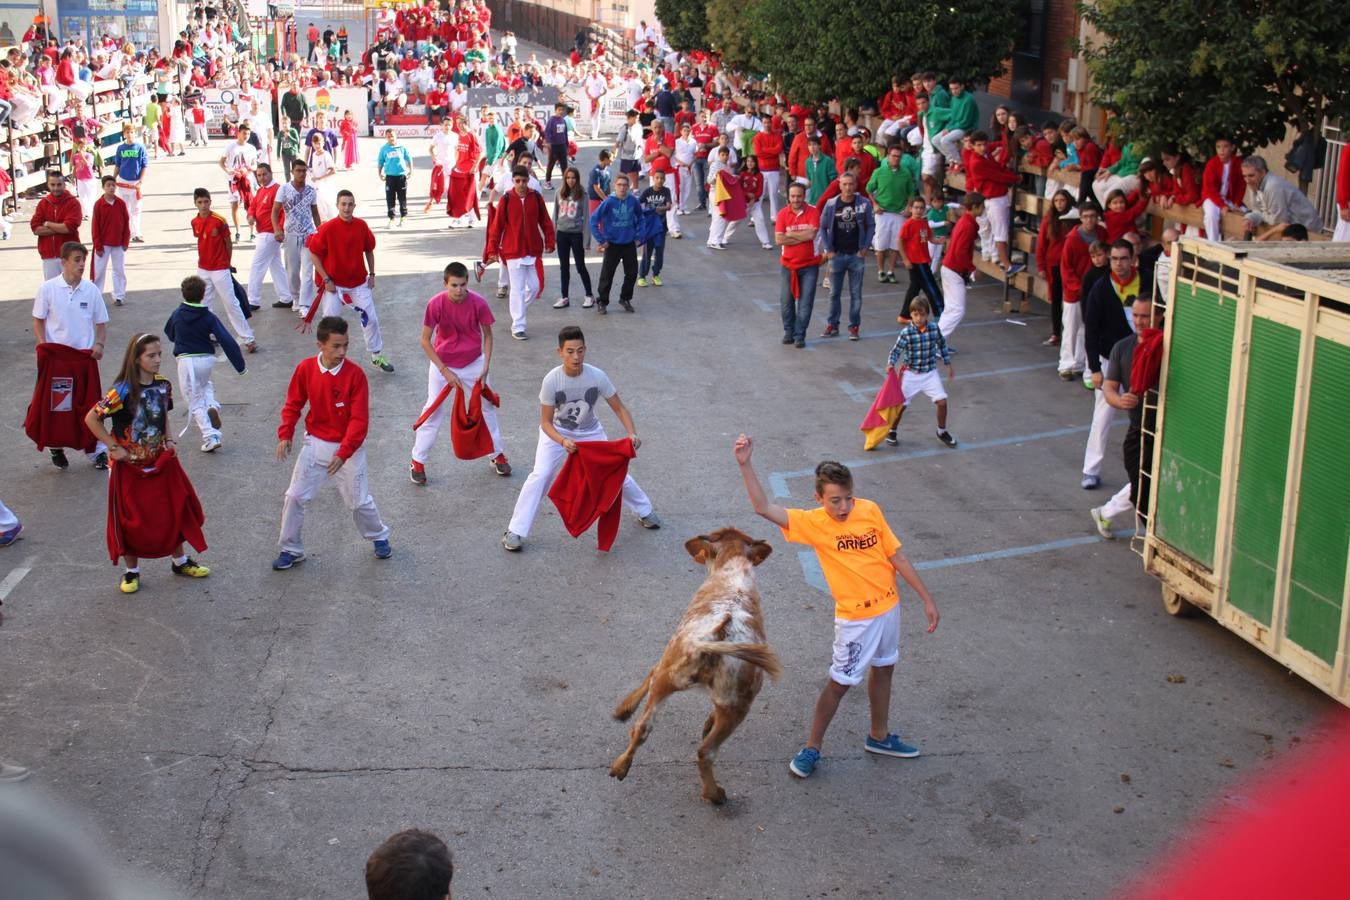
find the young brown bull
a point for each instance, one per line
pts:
(719, 644)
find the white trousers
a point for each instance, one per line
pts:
(1118, 504)
(1213, 213)
(267, 258)
(194, 382)
(88, 190)
(953, 302)
(51, 268)
(719, 230)
(1103, 188)
(362, 300)
(133, 202)
(220, 287)
(935, 251)
(524, 289)
(114, 258)
(686, 179)
(310, 474)
(772, 181)
(755, 212)
(425, 436)
(1103, 414)
(299, 268)
(7, 519)
(1342, 232)
(1072, 349)
(548, 459)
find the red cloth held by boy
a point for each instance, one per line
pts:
(590, 488)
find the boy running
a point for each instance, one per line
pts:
(860, 556)
(457, 338)
(335, 433)
(192, 327)
(567, 402)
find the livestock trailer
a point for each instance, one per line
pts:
(1249, 513)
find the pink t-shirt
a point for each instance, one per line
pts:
(458, 336)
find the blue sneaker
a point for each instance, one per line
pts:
(286, 559)
(9, 537)
(804, 763)
(383, 550)
(892, 746)
(1091, 482)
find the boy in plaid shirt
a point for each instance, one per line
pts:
(917, 349)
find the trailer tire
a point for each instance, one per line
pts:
(1177, 605)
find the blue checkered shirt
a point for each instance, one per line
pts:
(919, 350)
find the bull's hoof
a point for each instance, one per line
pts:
(716, 797)
(619, 770)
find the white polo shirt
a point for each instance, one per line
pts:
(69, 314)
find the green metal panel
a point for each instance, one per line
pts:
(1263, 462)
(1322, 533)
(1195, 420)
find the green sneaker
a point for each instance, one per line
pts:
(656, 280)
(379, 362)
(642, 282)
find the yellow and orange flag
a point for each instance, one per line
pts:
(885, 411)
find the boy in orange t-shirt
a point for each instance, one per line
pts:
(860, 557)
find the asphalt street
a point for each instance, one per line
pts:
(255, 734)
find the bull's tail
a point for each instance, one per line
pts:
(756, 654)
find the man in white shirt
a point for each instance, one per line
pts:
(459, 97)
(239, 162)
(596, 85)
(69, 310)
(746, 120)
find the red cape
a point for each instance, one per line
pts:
(590, 487)
(67, 388)
(151, 511)
(469, 434)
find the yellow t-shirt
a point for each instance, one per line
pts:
(855, 556)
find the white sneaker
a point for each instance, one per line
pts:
(588, 303)
(562, 303)
(767, 246)
(210, 445)
(1103, 524)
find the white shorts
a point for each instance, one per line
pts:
(999, 211)
(888, 231)
(860, 644)
(914, 383)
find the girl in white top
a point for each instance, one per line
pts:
(323, 175)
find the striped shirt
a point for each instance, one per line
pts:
(918, 350)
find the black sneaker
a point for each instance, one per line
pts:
(601, 308)
(101, 460)
(892, 438)
(417, 473)
(946, 438)
(799, 343)
(627, 305)
(59, 459)
(281, 304)
(787, 339)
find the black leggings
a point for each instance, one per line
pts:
(570, 244)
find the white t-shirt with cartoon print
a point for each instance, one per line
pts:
(574, 398)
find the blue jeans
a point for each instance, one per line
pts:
(655, 247)
(701, 180)
(797, 312)
(852, 265)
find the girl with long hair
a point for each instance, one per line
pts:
(752, 186)
(571, 213)
(1049, 251)
(152, 508)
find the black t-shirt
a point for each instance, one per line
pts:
(847, 225)
(653, 198)
(518, 146)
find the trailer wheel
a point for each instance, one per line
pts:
(1177, 605)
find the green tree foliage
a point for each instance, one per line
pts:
(684, 23)
(1190, 70)
(729, 32)
(816, 51)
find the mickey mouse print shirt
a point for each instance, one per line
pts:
(574, 398)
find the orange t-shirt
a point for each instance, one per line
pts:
(855, 556)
